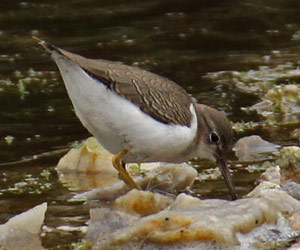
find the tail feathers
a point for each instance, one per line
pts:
(48, 47)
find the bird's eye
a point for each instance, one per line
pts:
(214, 137)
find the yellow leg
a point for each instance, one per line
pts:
(123, 174)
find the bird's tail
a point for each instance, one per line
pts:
(48, 47)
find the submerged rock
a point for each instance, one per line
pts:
(163, 177)
(254, 148)
(202, 224)
(22, 232)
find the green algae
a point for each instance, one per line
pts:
(280, 104)
(277, 89)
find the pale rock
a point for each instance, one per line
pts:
(22, 231)
(254, 148)
(271, 174)
(266, 185)
(89, 157)
(142, 202)
(195, 222)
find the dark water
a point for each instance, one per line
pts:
(181, 40)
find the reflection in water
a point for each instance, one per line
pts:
(86, 181)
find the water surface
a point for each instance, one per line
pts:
(181, 40)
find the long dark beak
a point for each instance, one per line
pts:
(226, 175)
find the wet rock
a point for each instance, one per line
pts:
(22, 231)
(87, 166)
(254, 148)
(89, 157)
(263, 107)
(190, 220)
(163, 177)
(142, 202)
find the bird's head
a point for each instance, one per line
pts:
(215, 139)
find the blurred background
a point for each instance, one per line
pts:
(185, 41)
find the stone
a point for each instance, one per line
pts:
(22, 232)
(190, 221)
(142, 202)
(90, 156)
(254, 148)
(271, 174)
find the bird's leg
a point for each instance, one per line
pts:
(123, 174)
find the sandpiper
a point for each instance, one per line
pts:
(142, 117)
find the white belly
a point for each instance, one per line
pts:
(117, 123)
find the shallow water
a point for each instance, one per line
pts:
(181, 40)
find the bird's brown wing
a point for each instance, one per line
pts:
(157, 96)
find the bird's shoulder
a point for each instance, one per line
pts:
(155, 95)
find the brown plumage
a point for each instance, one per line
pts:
(157, 96)
(103, 94)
